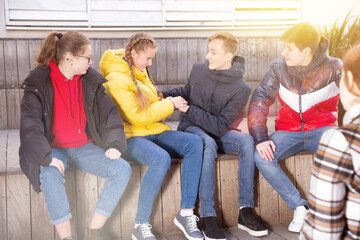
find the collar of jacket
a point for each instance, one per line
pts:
(113, 61)
(352, 115)
(235, 73)
(40, 76)
(320, 56)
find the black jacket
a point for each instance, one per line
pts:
(216, 98)
(103, 122)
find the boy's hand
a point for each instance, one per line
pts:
(266, 150)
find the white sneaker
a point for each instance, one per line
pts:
(298, 221)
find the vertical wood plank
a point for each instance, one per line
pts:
(105, 44)
(3, 114)
(171, 61)
(191, 54)
(34, 49)
(152, 68)
(13, 107)
(96, 53)
(229, 192)
(251, 59)
(303, 165)
(118, 43)
(269, 202)
(13, 145)
(288, 166)
(41, 228)
(171, 197)
(10, 55)
(3, 215)
(262, 58)
(2, 64)
(202, 48)
(161, 62)
(86, 200)
(182, 61)
(129, 202)
(3, 149)
(18, 207)
(112, 227)
(70, 187)
(23, 60)
(279, 48)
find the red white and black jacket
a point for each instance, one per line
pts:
(308, 95)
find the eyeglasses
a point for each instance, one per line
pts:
(88, 58)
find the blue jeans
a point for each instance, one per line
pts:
(91, 159)
(232, 142)
(287, 144)
(156, 151)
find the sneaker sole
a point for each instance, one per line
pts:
(207, 238)
(178, 224)
(133, 237)
(252, 232)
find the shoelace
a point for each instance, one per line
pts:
(192, 223)
(145, 229)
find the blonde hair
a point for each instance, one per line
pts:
(140, 42)
(229, 41)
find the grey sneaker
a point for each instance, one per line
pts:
(143, 232)
(188, 226)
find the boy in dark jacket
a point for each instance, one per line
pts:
(217, 95)
(306, 81)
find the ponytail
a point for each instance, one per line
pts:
(48, 49)
(57, 44)
(139, 42)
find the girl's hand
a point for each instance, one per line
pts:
(58, 164)
(178, 102)
(112, 153)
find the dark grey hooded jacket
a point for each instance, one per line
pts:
(216, 98)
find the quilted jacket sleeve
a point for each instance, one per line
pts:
(123, 93)
(262, 98)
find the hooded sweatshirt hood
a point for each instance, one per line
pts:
(114, 61)
(235, 73)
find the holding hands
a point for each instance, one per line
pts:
(179, 103)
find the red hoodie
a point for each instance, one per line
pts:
(69, 121)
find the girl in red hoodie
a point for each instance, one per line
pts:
(67, 118)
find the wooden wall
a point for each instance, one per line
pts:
(171, 65)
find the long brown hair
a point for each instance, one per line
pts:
(57, 44)
(140, 42)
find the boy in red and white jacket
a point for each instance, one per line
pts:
(306, 81)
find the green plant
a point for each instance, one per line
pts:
(342, 36)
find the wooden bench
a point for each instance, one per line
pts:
(23, 213)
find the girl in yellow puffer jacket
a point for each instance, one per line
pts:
(149, 140)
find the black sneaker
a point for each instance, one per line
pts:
(249, 223)
(211, 230)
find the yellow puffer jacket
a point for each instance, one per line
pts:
(122, 90)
